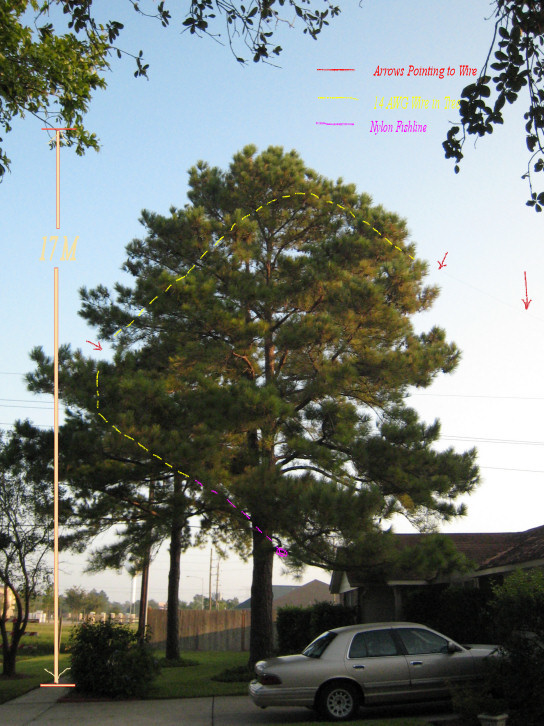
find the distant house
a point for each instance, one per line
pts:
(495, 555)
(301, 595)
(11, 602)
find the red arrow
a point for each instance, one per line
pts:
(442, 264)
(97, 346)
(526, 302)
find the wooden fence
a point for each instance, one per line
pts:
(204, 629)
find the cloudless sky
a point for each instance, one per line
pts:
(200, 104)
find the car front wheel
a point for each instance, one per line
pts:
(338, 702)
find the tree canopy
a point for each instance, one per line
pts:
(518, 39)
(50, 66)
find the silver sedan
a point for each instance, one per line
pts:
(372, 664)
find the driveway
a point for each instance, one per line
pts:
(41, 707)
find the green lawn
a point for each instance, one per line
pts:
(194, 681)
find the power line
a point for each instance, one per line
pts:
(494, 441)
(40, 426)
(503, 468)
(470, 395)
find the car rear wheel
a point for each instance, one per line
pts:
(338, 701)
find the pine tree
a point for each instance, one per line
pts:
(279, 303)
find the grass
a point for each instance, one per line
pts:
(196, 681)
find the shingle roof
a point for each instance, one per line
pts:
(486, 549)
(277, 591)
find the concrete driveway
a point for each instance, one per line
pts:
(41, 706)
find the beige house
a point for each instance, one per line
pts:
(11, 602)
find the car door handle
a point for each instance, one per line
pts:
(416, 662)
(358, 666)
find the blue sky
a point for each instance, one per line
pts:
(200, 104)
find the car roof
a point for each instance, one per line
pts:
(374, 626)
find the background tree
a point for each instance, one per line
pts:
(518, 39)
(281, 342)
(26, 526)
(76, 600)
(51, 74)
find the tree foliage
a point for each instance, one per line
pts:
(517, 41)
(49, 66)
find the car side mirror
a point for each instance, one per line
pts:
(453, 647)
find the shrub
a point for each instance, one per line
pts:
(518, 615)
(298, 626)
(108, 660)
(293, 626)
(459, 612)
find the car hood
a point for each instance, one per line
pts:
(280, 661)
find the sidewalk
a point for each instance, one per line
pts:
(40, 707)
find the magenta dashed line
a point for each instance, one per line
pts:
(246, 515)
(213, 490)
(234, 505)
(258, 530)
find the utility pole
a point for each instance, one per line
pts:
(142, 617)
(210, 587)
(217, 587)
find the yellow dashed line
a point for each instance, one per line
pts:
(115, 427)
(168, 288)
(128, 437)
(128, 326)
(152, 301)
(105, 419)
(375, 230)
(157, 456)
(141, 311)
(203, 254)
(143, 447)
(180, 472)
(167, 464)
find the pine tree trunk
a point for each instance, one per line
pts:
(261, 633)
(172, 614)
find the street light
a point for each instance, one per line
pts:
(202, 583)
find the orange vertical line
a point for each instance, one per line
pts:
(56, 458)
(58, 178)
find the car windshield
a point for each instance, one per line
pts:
(317, 646)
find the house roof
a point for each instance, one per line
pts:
(277, 591)
(302, 595)
(313, 591)
(487, 549)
